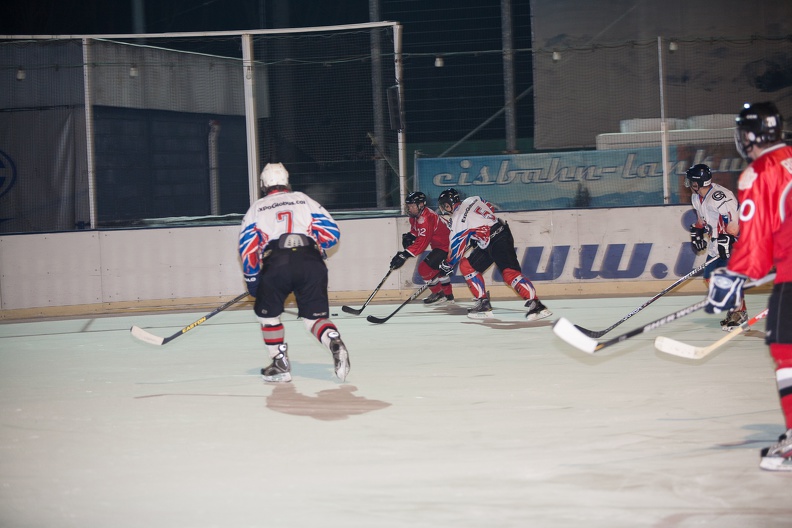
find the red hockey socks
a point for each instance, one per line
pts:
(782, 354)
(273, 337)
(519, 283)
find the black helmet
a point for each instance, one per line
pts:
(758, 124)
(450, 197)
(700, 174)
(415, 197)
(419, 199)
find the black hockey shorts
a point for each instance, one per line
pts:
(300, 271)
(499, 251)
(778, 328)
(435, 258)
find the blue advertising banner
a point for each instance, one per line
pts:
(609, 178)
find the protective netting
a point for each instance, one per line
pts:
(583, 92)
(327, 114)
(160, 133)
(128, 132)
(619, 124)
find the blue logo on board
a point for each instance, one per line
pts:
(7, 173)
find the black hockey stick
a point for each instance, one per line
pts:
(418, 292)
(157, 340)
(355, 311)
(600, 333)
(572, 335)
(433, 281)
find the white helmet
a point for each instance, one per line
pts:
(274, 174)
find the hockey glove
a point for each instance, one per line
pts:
(445, 269)
(408, 239)
(697, 238)
(725, 291)
(725, 243)
(251, 281)
(399, 259)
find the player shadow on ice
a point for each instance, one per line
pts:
(762, 434)
(601, 357)
(495, 322)
(500, 324)
(450, 309)
(327, 405)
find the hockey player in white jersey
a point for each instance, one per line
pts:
(716, 218)
(473, 223)
(282, 243)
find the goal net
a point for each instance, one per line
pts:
(140, 130)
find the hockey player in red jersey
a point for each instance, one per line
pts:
(281, 243)
(473, 223)
(427, 229)
(765, 194)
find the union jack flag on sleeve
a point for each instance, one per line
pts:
(324, 229)
(280, 213)
(251, 240)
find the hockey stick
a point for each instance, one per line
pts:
(594, 333)
(677, 348)
(355, 311)
(570, 333)
(157, 340)
(418, 292)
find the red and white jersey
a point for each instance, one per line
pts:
(279, 213)
(715, 210)
(765, 192)
(471, 219)
(429, 230)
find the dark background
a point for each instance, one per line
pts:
(442, 104)
(50, 17)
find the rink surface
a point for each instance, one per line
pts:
(443, 422)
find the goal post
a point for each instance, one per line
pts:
(169, 126)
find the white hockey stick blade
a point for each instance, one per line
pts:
(481, 316)
(684, 350)
(564, 329)
(146, 336)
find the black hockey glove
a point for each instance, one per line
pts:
(697, 238)
(408, 239)
(399, 259)
(251, 281)
(445, 269)
(725, 243)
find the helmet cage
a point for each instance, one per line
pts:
(758, 125)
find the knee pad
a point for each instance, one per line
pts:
(425, 271)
